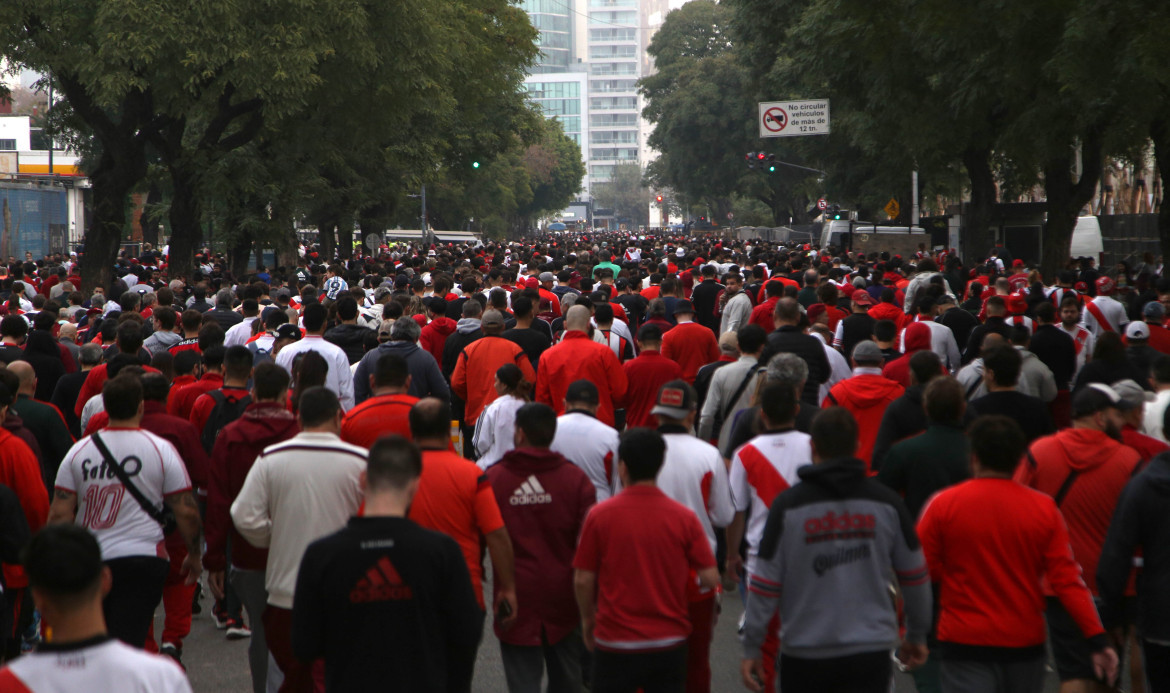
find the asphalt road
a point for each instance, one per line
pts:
(216, 665)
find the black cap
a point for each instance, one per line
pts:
(1097, 397)
(676, 399)
(584, 392)
(684, 306)
(437, 304)
(288, 331)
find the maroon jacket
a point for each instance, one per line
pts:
(543, 499)
(236, 448)
(181, 434)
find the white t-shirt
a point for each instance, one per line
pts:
(593, 447)
(693, 474)
(108, 666)
(762, 469)
(104, 507)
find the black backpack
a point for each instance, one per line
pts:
(225, 411)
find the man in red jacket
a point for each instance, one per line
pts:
(916, 338)
(689, 344)
(543, 499)
(182, 400)
(434, 335)
(762, 314)
(988, 543)
(866, 395)
(648, 372)
(1084, 469)
(265, 422)
(577, 357)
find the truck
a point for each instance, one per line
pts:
(867, 237)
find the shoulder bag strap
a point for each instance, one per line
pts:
(148, 507)
(1063, 491)
(739, 391)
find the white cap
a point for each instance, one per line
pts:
(1137, 330)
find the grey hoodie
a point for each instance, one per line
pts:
(467, 325)
(425, 378)
(161, 341)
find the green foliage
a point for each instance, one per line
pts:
(626, 194)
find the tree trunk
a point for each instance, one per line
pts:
(186, 218)
(111, 185)
(151, 216)
(325, 239)
(238, 254)
(977, 237)
(1160, 134)
(1065, 201)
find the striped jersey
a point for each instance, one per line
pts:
(762, 469)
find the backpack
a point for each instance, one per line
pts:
(225, 411)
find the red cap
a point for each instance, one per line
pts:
(1082, 287)
(814, 311)
(1017, 263)
(531, 283)
(1105, 286)
(1017, 304)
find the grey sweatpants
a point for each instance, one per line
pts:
(249, 586)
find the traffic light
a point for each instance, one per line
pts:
(838, 214)
(475, 164)
(771, 163)
(751, 159)
(658, 199)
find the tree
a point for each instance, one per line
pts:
(626, 194)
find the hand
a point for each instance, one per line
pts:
(193, 568)
(587, 634)
(1105, 665)
(912, 654)
(732, 572)
(215, 583)
(508, 596)
(752, 671)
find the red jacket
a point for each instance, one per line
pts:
(866, 395)
(577, 357)
(182, 400)
(916, 338)
(204, 404)
(762, 314)
(762, 294)
(987, 542)
(691, 346)
(21, 471)
(236, 449)
(475, 372)
(888, 311)
(544, 530)
(93, 385)
(646, 374)
(1103, 465)
(434, 337)
(1146, 446)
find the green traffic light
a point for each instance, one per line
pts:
(475, 164)
(771, 169)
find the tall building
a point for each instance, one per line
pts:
(614, 58)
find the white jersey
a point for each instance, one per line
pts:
(1083, 341)
(762, 469)
(1113, 312)
(593, 447)
(105, 666)
(942, 343)
(495, 430)
(104, 507)
(694, 474)
(240, 333)
(339, 378)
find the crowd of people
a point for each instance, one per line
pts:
(953, 469)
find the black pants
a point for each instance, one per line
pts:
(135, 594)
(868, 672)
(1157, 666)
(663, 671)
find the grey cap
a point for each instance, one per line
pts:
(546, 277)
(492, 317)
(867, 352)
(1154, 310)
(1131, 393)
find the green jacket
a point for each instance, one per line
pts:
(49, 428)
(925, 464)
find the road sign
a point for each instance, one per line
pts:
(892, 208)
(730, 216)
(794, 118)
(822, 203)
(373, 241)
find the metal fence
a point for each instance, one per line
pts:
(1127, 237)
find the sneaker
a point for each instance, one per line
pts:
(174, 652)
(237, 630)
(196, 607)
(219, 615)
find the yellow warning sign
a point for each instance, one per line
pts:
(892, 208)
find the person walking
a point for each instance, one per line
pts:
(578, 357)
(473, 379)
(647, 373)
(990, 543)
(338, 378)
(585, 441)
(865, 395)
(496, 427)
(732, 387)
(789, 337)
(543, 499)
(296, 492)
(387, 411)
(383, 599)
(827, 552)
(426, 380)
(631, 571)
(690, 343)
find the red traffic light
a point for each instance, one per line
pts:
(658, 199)
(750, 155)
(761, 156)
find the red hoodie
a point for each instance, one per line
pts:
(236, 449)
(1103, 465)
(888, 311)
(916, 338)
(866, 395)
(434, 337)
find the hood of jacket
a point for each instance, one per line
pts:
(404, 349)
(916, 337)
(842, 476)
(444, 326)
(165, 338)
(467, 325)
(269, 419)
(530, 460)
(1087, 449)
(867, 390)
(887, 311)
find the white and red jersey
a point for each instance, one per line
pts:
(1059, 293)
(1083, 342)
(1021, 321)
(100, 665)
(762, 469)
(104, 507)
(694, 474)
(593, 447)
(1106, 309)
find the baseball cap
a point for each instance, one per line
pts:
(679, 252)
(547, 277)
(1131, 393)
(1154, 310)
(867, 352)
(436, 304)
(575, 276)
(862, 298)
(582, 391)
(676, 399)
(1105, 286)
(1137, 330)
(1097, 397)
(531, 283)
(492, 317)
(684, 307)
(288, 331)
(1017, 304)
(622, 283)
(1017, 263)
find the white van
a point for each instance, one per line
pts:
(1086, 239)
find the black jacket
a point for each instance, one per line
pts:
(354, 340)
(855, 328)
(961, 323)
(903, 418)
(384, 600)
(1140, 522)
(975, 339)
(812, 350)
(704, 297)
(1055, 349)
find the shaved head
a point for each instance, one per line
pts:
(24, 371)
(577, 319)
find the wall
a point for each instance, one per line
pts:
(32, 219)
